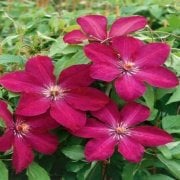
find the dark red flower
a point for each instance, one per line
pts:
(130, 63)
(67, 98)
(94, 28)
(24, 134)
(114, 128)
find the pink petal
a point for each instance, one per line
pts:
(6, 141)
(75, 76)
(104, 71)
(130, 149)
(153, 54)
(151, 136)
(158, 77)
(5, 114)
(129, 88)
(40, 123)
(44, 143)
(99, 149)
(86, 98)
(126, 25)
(74, 37)
(126, 46)
(134, 113)
(94, 26)
(32, 104)
(109, 114)
(101, 53)
(22, 155)
(66, 116)
(20, 81)
(41, 67)
(92, 129)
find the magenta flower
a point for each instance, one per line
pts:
(94, 28)
(116, 128)
(67, 98)
(24, 134)
(131, 63)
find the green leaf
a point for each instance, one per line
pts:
(67, 60)
(172, 165)
(129, 171)
(159, 177)
(2, 124)
(36, 172)
(7, 58)
(175, 96)
(171, 150)
(3, 171)
(159, 93)
(156, 11)
(171, 124)
(74, 152)
(75, 166)
(149, 97)
(89, 171)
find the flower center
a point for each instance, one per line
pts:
(24, 128)
(128, 68)
(121, 130)
(54, 92)
(21, 128)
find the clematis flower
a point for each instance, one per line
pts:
(114, 128)
(67, 98)
(94, 28)
(24, 134)
(130, 63)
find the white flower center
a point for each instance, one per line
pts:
(119, 131)
(128, 68)
(53, 92)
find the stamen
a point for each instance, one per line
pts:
(21, 128)
(119, 131)
(128, 68)
(53, 92)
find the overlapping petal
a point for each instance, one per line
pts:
(32, 104)
(104, 71)
(22, 154)
(75, 76)
(6, 141)
(99, 149)
(92, 129)
(94, 26)
(86, 98)
(126, 46)
(40, 123)
(129, 88)
(133, 113)
(43, 143)
(100, 53)
(41, 68)
(108, 115)
(74, 37)
(126, 25)
(66, 116)
(150, 136)
(130, 149)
